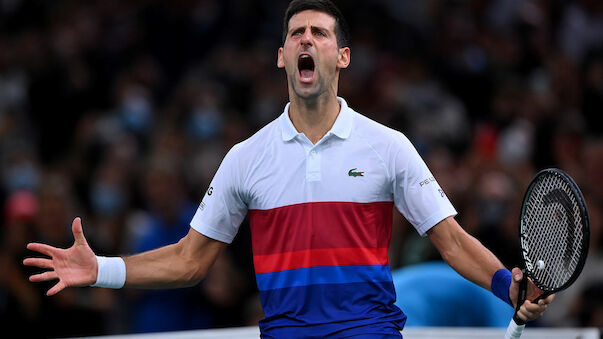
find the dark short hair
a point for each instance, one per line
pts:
(342, 32)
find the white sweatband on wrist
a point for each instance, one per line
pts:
(111, 272)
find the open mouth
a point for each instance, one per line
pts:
(305, 65)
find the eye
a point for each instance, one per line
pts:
(297, 32)
(320, 33)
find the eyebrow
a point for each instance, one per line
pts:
(312, 29)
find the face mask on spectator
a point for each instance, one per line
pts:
(205, 123)
(136, 113)
(21, 176)
(107, 200)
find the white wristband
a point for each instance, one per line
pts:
(111, 272)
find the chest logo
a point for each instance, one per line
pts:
(354, 173)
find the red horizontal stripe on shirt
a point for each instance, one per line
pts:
(320, 257)
(321, 225)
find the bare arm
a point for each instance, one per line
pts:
(464, 253)
(177, 265)
(181, 264)
(476, 263)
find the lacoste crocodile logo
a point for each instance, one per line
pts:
(352, 173)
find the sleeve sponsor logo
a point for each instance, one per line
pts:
(427, 181)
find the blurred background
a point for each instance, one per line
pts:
(121, 111)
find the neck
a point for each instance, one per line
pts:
(314, 117)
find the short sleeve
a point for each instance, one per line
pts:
(417, 194)
(222, 209)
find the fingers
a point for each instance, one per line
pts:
(42, 248)
(549, 299)
(38, 262)
(58, 287)
(517, 274)
(45, 276)
(78, 233)
(533, 291)
(530, 311)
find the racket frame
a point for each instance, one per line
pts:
(523, 286)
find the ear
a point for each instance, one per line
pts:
(280, 63)
(343, 60)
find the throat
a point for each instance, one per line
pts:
(314, 118)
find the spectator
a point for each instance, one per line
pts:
(90, 89)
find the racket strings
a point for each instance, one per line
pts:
(553, 240)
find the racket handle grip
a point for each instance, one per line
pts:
(514, 330)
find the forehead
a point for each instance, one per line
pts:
(312, 17)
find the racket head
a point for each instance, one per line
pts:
(554, 230)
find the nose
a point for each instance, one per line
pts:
(306, 38)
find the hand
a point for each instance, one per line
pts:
(75, 266)
(528, 311)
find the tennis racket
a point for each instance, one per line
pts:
(554, 236)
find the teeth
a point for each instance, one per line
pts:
(305, 56)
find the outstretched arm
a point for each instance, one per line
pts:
(177, 265)
(181, 264)
(472, 260)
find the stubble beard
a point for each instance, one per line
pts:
(311, 94)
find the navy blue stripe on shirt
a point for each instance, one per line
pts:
(323, 275)
(318, 311)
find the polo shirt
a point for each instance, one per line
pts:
(321, 220)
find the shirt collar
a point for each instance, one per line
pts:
(341, 128)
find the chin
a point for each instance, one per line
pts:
(308, 93)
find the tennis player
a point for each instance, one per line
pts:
(319, 184)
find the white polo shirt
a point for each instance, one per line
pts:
(321, 217)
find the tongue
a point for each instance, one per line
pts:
(306, 74)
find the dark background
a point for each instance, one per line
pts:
(121, 111)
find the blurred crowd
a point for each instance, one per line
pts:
(121, 111)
